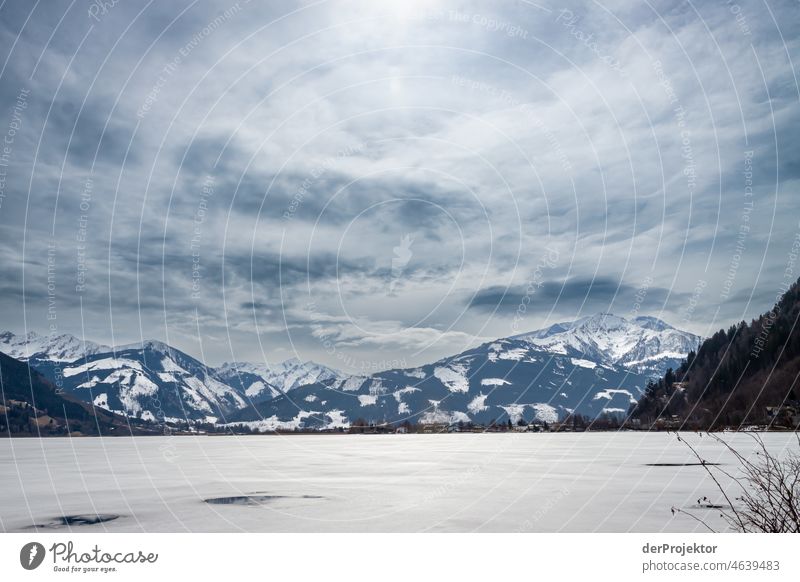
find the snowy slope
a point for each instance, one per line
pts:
(501, 380)
(151, 381)
(53, 348)
(248, 379)
(643, 344)
(258, 381)
(595, 365)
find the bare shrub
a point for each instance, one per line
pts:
(768, 488)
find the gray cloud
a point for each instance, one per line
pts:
(422, 184)
(588, 295)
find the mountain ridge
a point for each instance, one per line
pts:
(582, 366)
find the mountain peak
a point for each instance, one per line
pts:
(653, 323)
(153, 345)
(53, 347)
(609, 339)
(603, 320)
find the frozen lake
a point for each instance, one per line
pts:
(581, 482)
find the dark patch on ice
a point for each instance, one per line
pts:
(254, 499)
(710, 506)
(681, 464)
(243, 499)
(76, 520)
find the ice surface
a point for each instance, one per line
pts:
(510, 482)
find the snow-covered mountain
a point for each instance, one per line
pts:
(248, 379)
(151, 381)
(644, 344)
(257, 380)
(54, 348)
(501, 380)
(595, 365)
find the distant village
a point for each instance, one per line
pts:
(18, 418)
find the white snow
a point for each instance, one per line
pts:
(544, 412)
(587, 481)
(454, 377)
(402, 407)
(286, 375)
(55, 348)
(376, 387)
(273, 423)
(133, 386)
(169, 365)
(435, 416)
(478, 404)
(351, 383)
(90, 384)
(608, 410)
(367, 399)
(459, 416)
(398, 394)
(516, 354)
(257, 388)
(609, 393)
(438, 416)
(656, 357)
(494, 382)
(613, 340)
(514, 411)
(583, 363)
(102, 364)
(336, 419)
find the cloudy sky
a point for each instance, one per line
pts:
(372, 183)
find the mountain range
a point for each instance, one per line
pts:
(593, 366)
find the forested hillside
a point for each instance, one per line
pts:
(737, 376)
(30, 405)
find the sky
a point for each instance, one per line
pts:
(380, 184)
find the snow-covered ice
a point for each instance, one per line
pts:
(509, 482)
